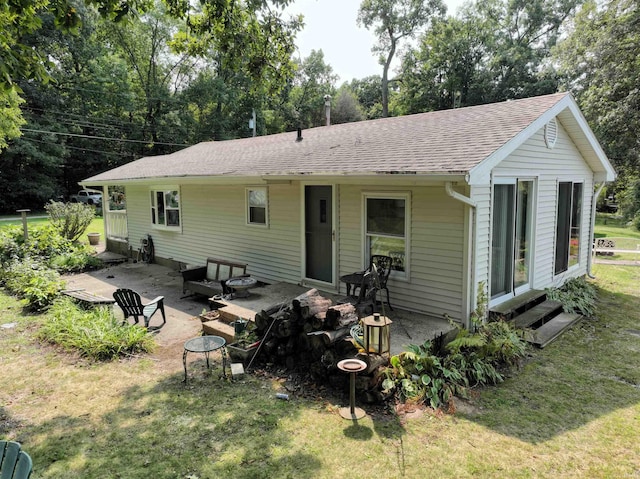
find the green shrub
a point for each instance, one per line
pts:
(32, 281)
(94, 333)
(80, 258)
(71, 220)
(11, 244)
(433, 375)
(577, 295)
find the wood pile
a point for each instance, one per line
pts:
(311, 335)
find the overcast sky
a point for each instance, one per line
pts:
(330, 25)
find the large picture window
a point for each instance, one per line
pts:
(257, 206)
(165, 208)
(386, 226)
(568, 226)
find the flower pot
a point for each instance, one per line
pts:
(94, 238)
(241, 354)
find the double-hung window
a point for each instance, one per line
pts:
(257, 206)
(386, 228)
(568, 225)
(165, 208)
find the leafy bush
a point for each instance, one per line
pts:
(95, 333)
(11, 241)
(433, 375)
(46, 244)
(33, 281)
(71, 220)
(577, 295)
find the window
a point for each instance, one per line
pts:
(568, 226)
(386, 226)
(165, 208)
(257, 206)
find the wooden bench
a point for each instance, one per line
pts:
(209, 280)
(604, 246)
(87, 298)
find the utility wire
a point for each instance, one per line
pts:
(26, 138)
(92, 137)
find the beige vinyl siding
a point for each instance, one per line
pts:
(482, 196)
(214, 224)
(436, 243)
(549, 166)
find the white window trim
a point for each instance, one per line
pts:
(164, 188)
(406, 196)
(571, 269)
(248, 206)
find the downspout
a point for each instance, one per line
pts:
(471, 294)
(592, 228)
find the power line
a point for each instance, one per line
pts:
(26, 138)
(92, 137)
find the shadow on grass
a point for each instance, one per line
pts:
(209, 428)
(588, 373)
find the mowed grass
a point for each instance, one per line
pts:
(573, 410)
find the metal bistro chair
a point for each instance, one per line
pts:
(363, 297)
(131, 305)
(14, 463)
(383, 267)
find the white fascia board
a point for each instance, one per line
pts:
(480, 174)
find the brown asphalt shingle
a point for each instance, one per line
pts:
(449, 141)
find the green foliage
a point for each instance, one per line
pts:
(426, 373)
(95, 333)
(71, 220)
(577, 295)
(32, 281)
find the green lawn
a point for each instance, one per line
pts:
(573, 410)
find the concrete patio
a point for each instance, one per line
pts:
(151, 280)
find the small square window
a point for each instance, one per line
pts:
(165, 208)
(257, 206)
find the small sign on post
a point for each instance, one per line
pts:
(25, 230)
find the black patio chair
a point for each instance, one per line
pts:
(383, 267)
(363, 296)
(14, 463)
(131, 305)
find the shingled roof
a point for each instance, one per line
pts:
(445, 142)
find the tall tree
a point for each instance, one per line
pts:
(393, 20)
(599, 63)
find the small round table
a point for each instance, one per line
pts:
(353, 367)
(241, 286)
(205, 344)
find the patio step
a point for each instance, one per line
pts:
(554, 328)
(538, 315)
(232, 312)
(219, 328)
(510, 309)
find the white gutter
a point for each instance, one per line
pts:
(470, 287)
(592, 228)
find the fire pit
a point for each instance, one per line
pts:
(241, 286)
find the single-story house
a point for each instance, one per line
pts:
(499, 196)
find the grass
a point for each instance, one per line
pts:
(97, 225)
(573, 410)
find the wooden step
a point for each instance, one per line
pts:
(508, 308)
(219, 328)
(551, 330)
(232, 312)
(537, 314)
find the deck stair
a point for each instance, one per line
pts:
(222, 326)
(541, 319)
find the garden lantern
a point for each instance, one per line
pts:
(377, 334)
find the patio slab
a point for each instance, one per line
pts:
(151, 280)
